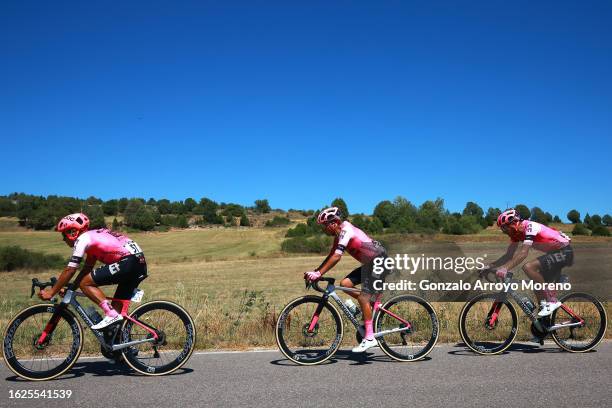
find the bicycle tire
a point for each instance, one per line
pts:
(284, 320)
(600, 332)
(433, 318)
(131, 354)
(473, 344)
(76, 346)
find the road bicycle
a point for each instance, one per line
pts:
(45, 340)
(488, 323)
(310, 329)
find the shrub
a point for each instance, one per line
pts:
(317, 244)
(580, 229)
(244, 221)
(15, 257)
(601, 231)
(277, 221)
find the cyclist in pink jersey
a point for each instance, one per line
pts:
(124, 265)
(558, 253)
(364, 249)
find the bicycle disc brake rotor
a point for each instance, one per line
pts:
(40, 346)
(311, 334)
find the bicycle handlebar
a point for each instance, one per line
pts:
(37, 284)
(315, 284)
(486, 274)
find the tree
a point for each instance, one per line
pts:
(430, 216)
(595, 220)
(557, 219)
(96, 217)
(587, 220)
(91, 200)
(177, 207)
(386, 212)
(110, 207)
(115, 225)
(122, 204)
(262, 206)
(492, 215)
(573, 216)
(471, 208)
(130, 211)
(474, 210)
(7, 207)
(523, 211)
(244, 220)
(339, 202)
(151, 202)
(164, 206)
(189, 204)
(144, 219)
(538, 215)
(607, 220)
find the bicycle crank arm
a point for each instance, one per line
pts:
(131, 343)
(385, 332)
(562, 326)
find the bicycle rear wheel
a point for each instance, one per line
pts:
(488, 324)
(304, 338)
(176, 338)
(42, 342)
(413, 328)
(582, 338)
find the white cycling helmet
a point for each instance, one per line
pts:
(329, 215)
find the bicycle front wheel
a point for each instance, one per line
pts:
(42, 342)
(488, 324)
(588, 334)
(411, 327)
(309, 330)
(176, 338)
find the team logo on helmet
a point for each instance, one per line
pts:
(73, 225)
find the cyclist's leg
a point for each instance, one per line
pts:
(351, 280)
(90, 288)
(129, 282)
(533, 270)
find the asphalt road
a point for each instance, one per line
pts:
(525, 376)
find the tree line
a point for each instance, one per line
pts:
(389, 216)
(43, 213)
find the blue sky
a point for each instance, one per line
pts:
(495, 102)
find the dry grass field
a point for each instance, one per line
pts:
(233, 281)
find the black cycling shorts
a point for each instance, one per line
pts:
(552, 262)
(127, 273)
(366, 275)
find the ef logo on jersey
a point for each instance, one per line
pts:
(113, 268)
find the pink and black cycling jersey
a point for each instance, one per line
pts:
(102, 245)
(357, 243)
(542, 238)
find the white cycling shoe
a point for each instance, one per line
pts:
(365, 344)
(107, 321)
(546, 308)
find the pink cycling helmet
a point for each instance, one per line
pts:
(508, 217)
(329, 215)
(73, 225)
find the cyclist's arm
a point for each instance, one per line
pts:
(505, 257)
(519, 256)
(329, 263)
